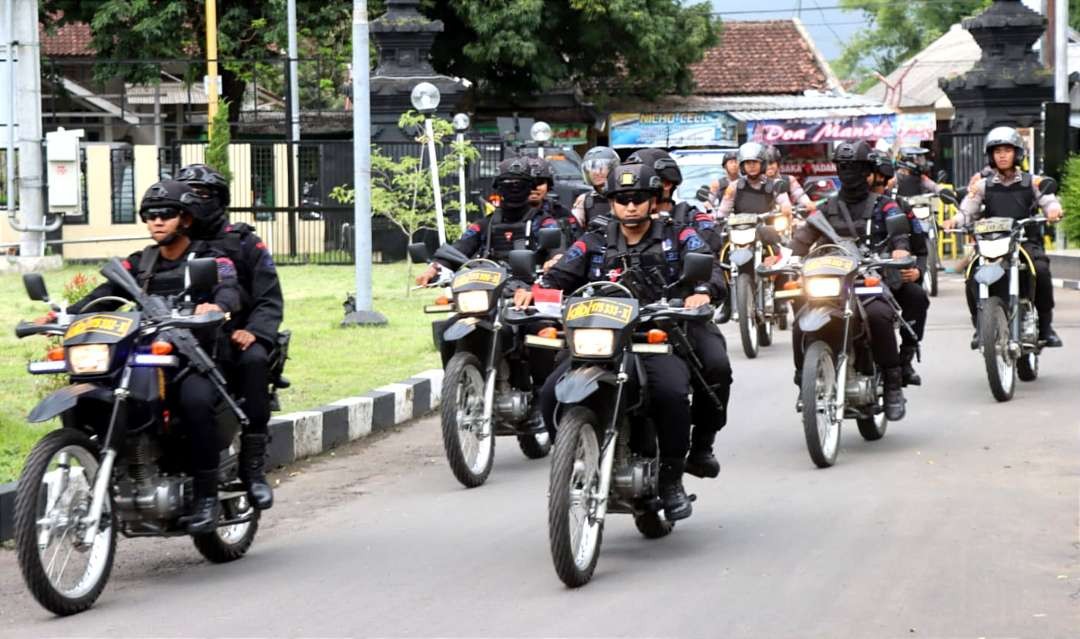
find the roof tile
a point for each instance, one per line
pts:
(70, 40)
(759, 57)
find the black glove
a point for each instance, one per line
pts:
(704, 194)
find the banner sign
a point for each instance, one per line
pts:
(913, 128)
(865, 127)
(561, 134)
(677, 129)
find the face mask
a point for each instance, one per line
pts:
(514, 193)
(853, 184)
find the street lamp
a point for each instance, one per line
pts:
(425, 99)
(461, 124)
(540, 133)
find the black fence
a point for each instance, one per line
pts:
(962, 154)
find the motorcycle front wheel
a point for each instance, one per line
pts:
(994, 342)
(470, 451)
(64, 574)
(748, 327)
(575, 534)
(821, 424)
(930, 278)
(765, 328)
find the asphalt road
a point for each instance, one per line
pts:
(961, 522)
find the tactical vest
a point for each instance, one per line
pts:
(869, 209)
(908, 184)
(596, 207)
(751, 199)
(657, 250)
(503, 237)
(157, 281)
(1016, 200)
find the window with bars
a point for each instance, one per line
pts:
(262, 180)
(123, 186)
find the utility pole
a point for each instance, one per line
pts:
(294, 95)
(1061, 50)
(361, 72)
(211, 63)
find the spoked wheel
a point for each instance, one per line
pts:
(821, 424)
(535, 445)
(765, 328)
(873, 428)
(63, 572)
(469, 449)
(994, 342)
(748, 323)
(652, 525)
(930, 279)
(574, 531)
(229, 543)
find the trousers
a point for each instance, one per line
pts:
(249, 377)
(879, 320)
(914, 302)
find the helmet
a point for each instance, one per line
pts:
(516, 168)
(633, 177)
(852, 152)
(661, 162)
(772, 154)
(752, 151)
(912, 158)
(202, 175)
(729, 156)
(211, 193)
(598, 158)
(882, 164)
(540, 170)
(169, 194)
(1004, 135)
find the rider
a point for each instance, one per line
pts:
(683, 213)
(911, 173)
(755, 193)
(257, 334)
(848, 212)
(633, 190)
(1011, 192)
(795, 191)
(909, 293)
(168, 210)
(597, 164)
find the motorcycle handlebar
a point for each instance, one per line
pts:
(26, 329)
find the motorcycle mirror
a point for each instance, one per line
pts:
(455, 258)
(897, 225)
(550, 238)
(202, 275)
(948, 196)
(961, 193)
(821, 225)
(781, 185)
(942, 176)
(35, 287)
(697, 268)
(115, 272)
(1048, 186)
(522, 263)
(418, 253)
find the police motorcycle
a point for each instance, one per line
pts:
(753, 297)
(925, 208)
(606, 459)
(486, 387)
(118, 463)
(839, 377)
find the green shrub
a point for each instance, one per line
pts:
(1070, 199)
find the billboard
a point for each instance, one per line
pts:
(675, 129)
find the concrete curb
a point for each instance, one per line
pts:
(1072, 285)
(295, 436)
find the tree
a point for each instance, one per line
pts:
(217, 151)
(900, 30)
(1070, 198)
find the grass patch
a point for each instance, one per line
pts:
(327, 362)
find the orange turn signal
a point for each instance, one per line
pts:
(161, 348)
(55, 354)
(791, 285)
(871, 281)
(442, 300)
(656, 336)
(549, 332)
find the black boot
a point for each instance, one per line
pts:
(672, 494)
(701, 462)
(1049, 338)
(253, 470)
(907, 355)
(207, 509)
(894, 394)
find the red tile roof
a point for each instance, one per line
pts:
(71, 40)
(766, 57)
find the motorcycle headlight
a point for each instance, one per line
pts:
(88, 359)
(921, 212)
(823, 286)
(473, 301)
(742, 237)
(780, 223)
(593, 342)
(992, 249)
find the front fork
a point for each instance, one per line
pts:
(607, 449)
(841, 362)
(486, 426)
(117, 425)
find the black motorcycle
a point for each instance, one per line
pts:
(119, 462)
(606, 459)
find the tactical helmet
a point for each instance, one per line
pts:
(168, 194)
(753, 151)
(598, 158)
(633, 177)
(202, 175)
(912, 158)
(540, 170)
(516, 168)
(882, 164)
(1004, 135)
(852, 152)
(211, 195)
(661, 162)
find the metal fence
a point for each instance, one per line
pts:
(962, 154)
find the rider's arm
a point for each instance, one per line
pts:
(1049, 202)
(471, 240)
(727, 204)
(797, 193)
(929, 185)
(572, 269)
(969, 208)
(227, 294)
(784, 202)
(802, 238)
(691, 242)
(267, 302)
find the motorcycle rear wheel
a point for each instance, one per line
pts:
(535, 445)
(748, 328)
(930, 278)
(574, 535)
(55, 490)
(821, 425)
(994, 342)
(229, 543)
(873, 428)
(469, 453)
(652, 525)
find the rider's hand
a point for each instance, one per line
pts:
(770, 260)
(429, 273)
(548, 264)
(900, 253)
(1053, 216)
(243, 339)
(522, 298)
(909, 275)
(202, 309)
(811, 207)
(949, 224)
(696, 300)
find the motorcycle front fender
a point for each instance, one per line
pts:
(463, 327)
(65, 399)
(813, 318)
(579, 383)
(989, 273)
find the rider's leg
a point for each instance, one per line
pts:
(668, 383)
(197, 400)
(879, 319)
(914, 303)
(708, 418)
(1044, 299)
(252, 380)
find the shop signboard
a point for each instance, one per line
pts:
(865, 127)
(913, 128)
(562, 134)
(674, 129)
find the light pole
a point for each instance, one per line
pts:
(540, 133)
(425, 99)
(461, 124)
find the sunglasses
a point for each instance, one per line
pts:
(637, 197)
(156, 214)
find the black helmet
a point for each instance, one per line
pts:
(211, 195)
(1002, 136)
(169, 194)
(633, 177)
(202, 175)
(516, 168)
(882, 164)
(598, 158)
(661, 162)
(540, 170)
(852, 152)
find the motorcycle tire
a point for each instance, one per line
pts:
(873, 428)
(575, 468)
(994, 342)
(782, 322)
(930, 278)
(229, 543)
(748, 328)
(1027, 367)
(765, 328)
(652, 525)
(463, 370)
(31, 506)
(535, 445)
(932, 267)
(821, 426)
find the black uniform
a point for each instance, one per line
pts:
(598, 257)
(597, 211)
(685, 214)
(494, 236)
